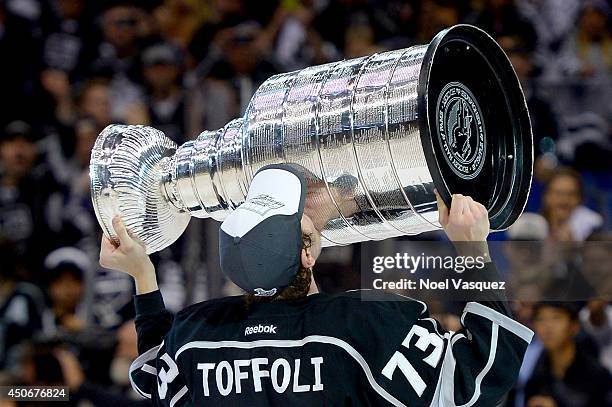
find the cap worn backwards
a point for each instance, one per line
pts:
(260, 242)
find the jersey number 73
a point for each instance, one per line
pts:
(425, 340)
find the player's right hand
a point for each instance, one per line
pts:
(129, 256)
(466, 221)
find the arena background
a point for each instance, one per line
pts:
(71, 67)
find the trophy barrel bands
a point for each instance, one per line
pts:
(206, 176)
(125, 170)
(353, 127)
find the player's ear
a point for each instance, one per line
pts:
(308, 260)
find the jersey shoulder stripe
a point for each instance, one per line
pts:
(502, 320)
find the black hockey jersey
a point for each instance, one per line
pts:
(357, 348)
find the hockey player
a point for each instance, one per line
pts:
(285, 343)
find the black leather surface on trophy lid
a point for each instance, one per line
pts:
(474, 123)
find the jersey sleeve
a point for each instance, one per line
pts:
(154, 374)
(482, 360)
(152, 320)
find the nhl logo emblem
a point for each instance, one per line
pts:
(461, 131)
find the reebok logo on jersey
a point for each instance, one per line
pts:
(260, 329)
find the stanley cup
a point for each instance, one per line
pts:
(374, 135)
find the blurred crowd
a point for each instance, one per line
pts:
(71, 67)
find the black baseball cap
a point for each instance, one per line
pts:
(18, 129)
(260, 242)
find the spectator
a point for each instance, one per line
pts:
(125, 352)
(560, 378)
(568, 219)
(588, 52)
(81, 225)
(165, 96)
(332, 19)
(360, 41)
(119, 59)
(553, 21)
(298, 44)
(242, 58)
(119, 53)
(39, 366)
(597, 316)
(502, 18)
(434, 16)
(29, 197)
(17, 78)
(178, 20)
(83, 390)
(234, 75)
(66, 272)
(56, 85)
(207, 40)
(543, 120)
(594, 256)
(585, 62)
(112, 299)
(121, 393)
(21, 304)
(597, 321)
(93, 101)
(403, 14)
(529, 262)
(86, 133)
(69, 38)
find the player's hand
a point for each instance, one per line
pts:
(129, 256)
(466, 221)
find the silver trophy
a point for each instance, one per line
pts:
(375, 136)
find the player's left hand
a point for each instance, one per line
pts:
(129, 256)
(466, 221)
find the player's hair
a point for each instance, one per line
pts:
(298, 288)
